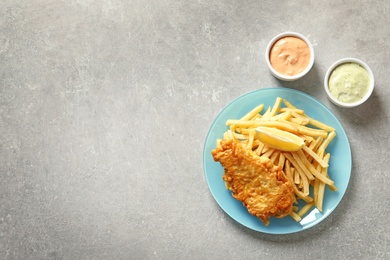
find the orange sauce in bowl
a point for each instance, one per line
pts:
(290, 55)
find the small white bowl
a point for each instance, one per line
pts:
(280, 75)
(329, 72)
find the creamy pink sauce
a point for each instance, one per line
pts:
(290, 55)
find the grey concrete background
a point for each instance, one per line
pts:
(105, 105)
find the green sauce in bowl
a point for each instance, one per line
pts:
(349, 82)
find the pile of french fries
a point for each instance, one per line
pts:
(306, 169)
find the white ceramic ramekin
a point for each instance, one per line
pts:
(280, 75)
(329, 72)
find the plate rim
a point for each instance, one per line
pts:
(323, 107)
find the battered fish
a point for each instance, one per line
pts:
(255, 181)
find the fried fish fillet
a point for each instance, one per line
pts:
(255, 181)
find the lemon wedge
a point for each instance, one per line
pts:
(279, 139)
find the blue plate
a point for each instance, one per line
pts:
(339, 166)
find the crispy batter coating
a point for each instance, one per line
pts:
(255, 181)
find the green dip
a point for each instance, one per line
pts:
(349, 82)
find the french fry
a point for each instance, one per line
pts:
(280, 116)
(296, 190)
(298, 121)
(321, 187)
(268, 153)
(275, 157)
(275, 107)
(282, 160)
(246, 131)
(266, 115)
(320, 125)
(256, 143)
(255, 111)
(311, 151)
(298, 164)
(288, 104)
(240, 136)
(250, 139)
(297, 179)
(286, 115)
(259, 149)
(326, 142)
(253, 124)
(311, 132)
(292, 110)
(295, 216)
(305, 209)
(311, 168)
(313, 122)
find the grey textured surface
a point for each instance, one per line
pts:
(105, 105)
